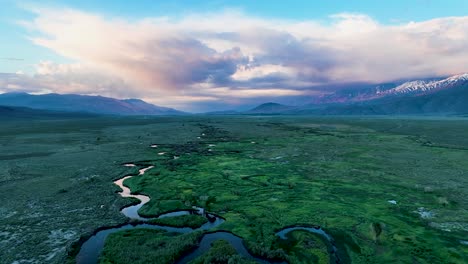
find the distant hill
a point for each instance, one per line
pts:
(85, 103)
(270, 108)
(11, 112)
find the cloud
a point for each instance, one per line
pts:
(231, 56)
(65, 78)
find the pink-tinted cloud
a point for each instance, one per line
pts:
(231, 55)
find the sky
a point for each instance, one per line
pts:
(218, 55)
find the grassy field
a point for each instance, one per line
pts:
(221, 252)
(56, 178)
(388, 190)
(147, 246)
(192, 221)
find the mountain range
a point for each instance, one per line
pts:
(85, 103)
(437, 96)
(440, 96)
(371, 92)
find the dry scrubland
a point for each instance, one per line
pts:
(385, 189)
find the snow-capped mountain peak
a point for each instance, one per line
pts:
(459, 77)
(426, 86)
(410, 86)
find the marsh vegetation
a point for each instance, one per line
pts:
(261, 174)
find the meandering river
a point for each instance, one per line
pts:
(92, 248)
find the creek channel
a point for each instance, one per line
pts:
(91, 249)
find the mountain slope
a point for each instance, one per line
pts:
(424, 87)
(446, 101)
(354, 93)
(84, 103)
(14, 113)
(366, 92)
(270, 108)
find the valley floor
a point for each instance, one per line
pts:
(387, 190)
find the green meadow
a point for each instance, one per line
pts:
(388, 190)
